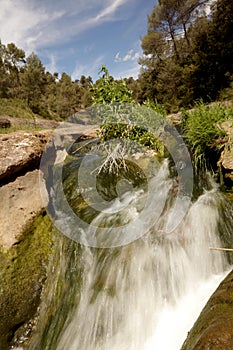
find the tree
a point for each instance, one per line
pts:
(11, 62)
(3, 74)
(213, 51)
(33, 81)
(163, 20)
(169, 60)
(187, 13)
(63, 98)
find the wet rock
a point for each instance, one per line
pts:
(214, 327)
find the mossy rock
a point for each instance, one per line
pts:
(22, 274)
(214, 327)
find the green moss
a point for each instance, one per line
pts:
(22, 274)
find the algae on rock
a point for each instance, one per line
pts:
(22, 274)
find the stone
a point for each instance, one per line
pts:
(20, 151)
(21, 201)
(226, 159)
(20, 156)
(4, 122)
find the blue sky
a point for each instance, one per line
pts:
(78, 36)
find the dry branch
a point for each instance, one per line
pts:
(224, 249)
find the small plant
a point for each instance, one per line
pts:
(157, 107)
(114, 103)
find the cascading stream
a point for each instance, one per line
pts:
(145, 295)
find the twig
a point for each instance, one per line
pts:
(114, 159)
(224, 249)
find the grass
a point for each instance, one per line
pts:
(202, 129)
(17, 127)
(23, 117)
(17, 108)
(14, 107)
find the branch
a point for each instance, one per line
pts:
(223, 249)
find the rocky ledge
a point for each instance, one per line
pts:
(21, 152)
(20, 156)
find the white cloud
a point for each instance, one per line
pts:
(87, 69)
(132, 71)
(48, 28)
(23, 24)
(117, 57)
(131, 55)
(52, 65)
(32, 24)
(109, 10)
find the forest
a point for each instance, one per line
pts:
(187, 57)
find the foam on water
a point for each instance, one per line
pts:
(145, 295)
(149, 294)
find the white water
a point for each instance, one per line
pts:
(147, 295)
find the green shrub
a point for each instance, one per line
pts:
(108, 90)
(202, 129)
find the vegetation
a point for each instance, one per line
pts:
(43, 93)
(202, 129)
(117, 123)
(187, 52)
(15, 107)
(107, 90)
(22, 273)
(187, 56)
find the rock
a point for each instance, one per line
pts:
(21, 201)
(214, 327)
(226, 159)
(20, 151)
(225, 162)
(4, 122)
(23, 270)
(20, 155)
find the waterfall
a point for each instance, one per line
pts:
(144, 295)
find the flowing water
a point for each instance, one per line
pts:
(145, 295)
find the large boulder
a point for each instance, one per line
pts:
(20, 152)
